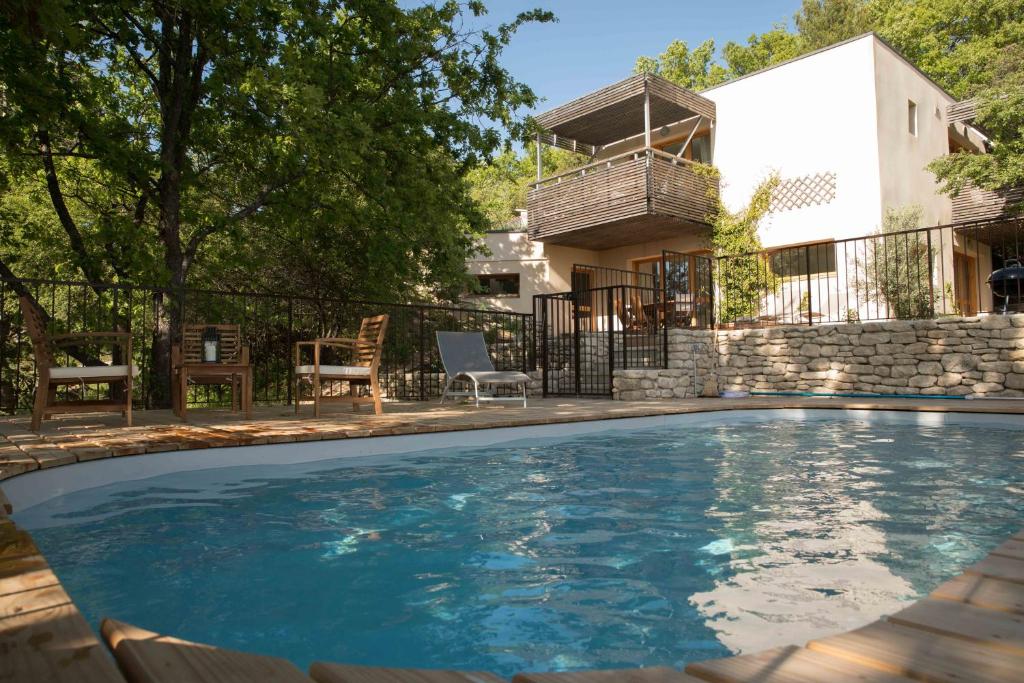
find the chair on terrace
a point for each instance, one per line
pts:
(51, 375)
(465, 359)
(361, 370)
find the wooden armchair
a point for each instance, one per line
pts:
(51, 375)
(233, 367)
(365, 352)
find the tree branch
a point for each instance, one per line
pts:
(63, 214)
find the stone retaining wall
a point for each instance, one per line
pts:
(976, 356)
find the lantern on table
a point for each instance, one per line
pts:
(211, 345)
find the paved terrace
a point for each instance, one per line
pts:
(969, 629)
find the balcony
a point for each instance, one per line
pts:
(637, 196)
(632, 191)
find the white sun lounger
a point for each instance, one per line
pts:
(465, 359)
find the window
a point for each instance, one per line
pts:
(912, 117)
(498, 284)
(813, 259)
(700, 148)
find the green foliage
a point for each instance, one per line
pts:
(261, 143)
(897, 266)
(1000, 111)
(742, 276)
(821, 23)
(694, 69)
(818, 23)
(501, 186)
(761, 51)
(972, 49)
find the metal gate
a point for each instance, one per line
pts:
(585, 335)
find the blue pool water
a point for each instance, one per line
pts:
(619, 548)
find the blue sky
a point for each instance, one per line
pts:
(596, 42)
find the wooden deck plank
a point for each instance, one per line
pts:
(26, 601)
(996, 567)
(790, 664)
(658, 674)
(147, 657)
(919, 655)
(980, 591)
(1010, 548)
(996, 630)
(54, 645)
(324, 672)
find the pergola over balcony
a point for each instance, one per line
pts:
(628, 183)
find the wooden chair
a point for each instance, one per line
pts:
(51, 375)
(365, 352)
(233, 368)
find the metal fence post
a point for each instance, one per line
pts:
(931, 276)
(423, 343)
(574, 310)
(661, 308)
(544, 360)
(611, 336)
(289, 336)
(810, 306)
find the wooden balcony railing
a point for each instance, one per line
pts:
(634, 186)
(975, 204)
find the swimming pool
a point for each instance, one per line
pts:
(626, 547)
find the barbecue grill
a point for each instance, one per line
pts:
(1007, 285)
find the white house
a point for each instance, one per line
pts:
(849, 129)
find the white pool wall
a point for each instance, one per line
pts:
(39, 486)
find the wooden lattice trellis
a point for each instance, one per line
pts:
(808, 190)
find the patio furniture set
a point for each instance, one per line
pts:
(213, 354)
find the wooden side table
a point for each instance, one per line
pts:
(238, 375)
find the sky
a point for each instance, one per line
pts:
(596, 42)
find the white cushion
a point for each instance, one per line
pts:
(93, 371)
(334, 370)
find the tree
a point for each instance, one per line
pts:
(821, 23)
(694, 69)
(897, 266)
(166, 132)
(501, 186)
(762, 51)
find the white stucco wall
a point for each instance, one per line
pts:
(902, 155)
(812, 115)
(542, 268)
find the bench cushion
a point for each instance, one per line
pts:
(91, 371)
(334, 370)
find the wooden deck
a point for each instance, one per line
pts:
(970, 628)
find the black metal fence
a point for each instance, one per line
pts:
(912, 274)
(585, 335)
(270, 324)
(597, 277)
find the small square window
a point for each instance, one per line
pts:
(912, 117)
